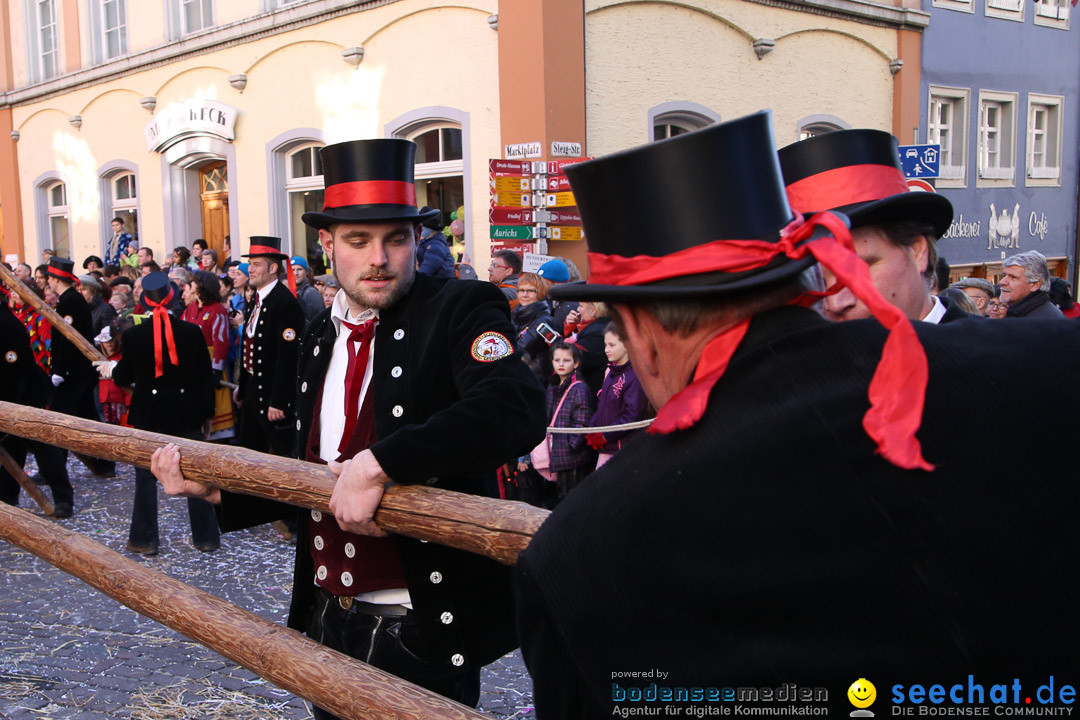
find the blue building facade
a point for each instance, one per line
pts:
(1001, 94)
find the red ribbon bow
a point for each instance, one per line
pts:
(161, 318)
(897, 390)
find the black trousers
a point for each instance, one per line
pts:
(52, 468)
(78, 397)
(378, 641)
(144, 515)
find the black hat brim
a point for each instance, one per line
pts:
(930, 207)
(365, 213)
(687, 287)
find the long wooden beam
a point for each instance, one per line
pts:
(30, 297)
(344, 686)
(497, 529)
(31, 488)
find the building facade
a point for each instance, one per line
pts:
(202, 119)
(1000, 93)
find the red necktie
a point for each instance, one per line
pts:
(354, 374)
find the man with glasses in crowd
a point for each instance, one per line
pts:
(504, 270)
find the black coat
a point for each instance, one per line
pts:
(770, 544)
(593, 358)
(178, 402)
(67, 361)
(22, 380)
(442, 418)
(101, 315)
(277, 344)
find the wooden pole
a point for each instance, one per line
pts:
(30, 297)
(344, 686)
(27, 484)
(497, 529)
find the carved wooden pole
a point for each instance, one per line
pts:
(344, 686)
(497, 529)
(27, 484)
(29, 297)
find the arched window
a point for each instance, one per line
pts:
(814, 125)
(304, 187)
(56, 195)
(675, 118)
(440, 168)
(125, 202)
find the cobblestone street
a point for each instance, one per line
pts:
(68, 651)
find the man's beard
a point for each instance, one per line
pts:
(377, 302)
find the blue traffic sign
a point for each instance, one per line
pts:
(920, 161)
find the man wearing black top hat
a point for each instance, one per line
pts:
(804, 511)
(166, 360)
(858, 173)
(23, 381)
(396, 383)
(268, 356)
(72, 374)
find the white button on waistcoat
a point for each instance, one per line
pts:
(346, 578)
(319, 542)
(395, 371)
(435, 577)
(457, 660)
(315, 351)
(316, 515)
(303, 387)
(321, 572)
(350, 550)
(398, 411)
(398, 334)
(446, 618)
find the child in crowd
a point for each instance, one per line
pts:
(620, 401)
(115, 400)
(569, 405)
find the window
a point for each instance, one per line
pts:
(1052, 13)
(946, 125)
(304, 185)
(125, 202)
(961, 5)
(46, 37)
(676, 118)
(114, 28)
(1006, 9)
(1044, 139)
(997, 138)
(439, 168)
(814, 125)
(58, 219)
(195, 15)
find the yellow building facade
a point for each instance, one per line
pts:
(200, 118)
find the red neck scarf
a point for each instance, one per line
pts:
(161, 318)
(897, 390)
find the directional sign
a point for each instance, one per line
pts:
(510, 167)
(561, 199)
(511, 232)
(511, 199)
(554, 167)
(562, 217)
(530, 263)
(920, 161)
(565, 233)
(555, 183)
(509, 216)
(524, 150)
(521, 249)
(511, 184)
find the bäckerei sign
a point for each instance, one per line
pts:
(187, 118)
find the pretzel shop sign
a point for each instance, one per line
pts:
(190, 118)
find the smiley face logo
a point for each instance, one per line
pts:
(862, 693)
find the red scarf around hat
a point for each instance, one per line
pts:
(895, 411)
(161, 318)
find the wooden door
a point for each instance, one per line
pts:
(214, 185)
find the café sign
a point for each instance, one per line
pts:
(186, 118)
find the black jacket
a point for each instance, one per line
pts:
(67, 361)
(770, 544)
(277, 343)
(22, 380)
(101, 315)
(178, 402)
(1035, 305)
(445, 418)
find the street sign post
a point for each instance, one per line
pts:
(511, 184)
(564, 217)
(510, 167)
(511, 232)
(561, 199)
(920, 161)
(511, 199)
(510, 216)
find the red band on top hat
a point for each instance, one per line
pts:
(370, 192)
(844, 186)
(897, 389)
(264, 250)
(63, 274)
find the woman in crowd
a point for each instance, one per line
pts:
(532, 318)
(209, 261)
(211, 316)
(39, 328)
(586, 327)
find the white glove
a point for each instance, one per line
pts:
(104, 368)
(56, 380)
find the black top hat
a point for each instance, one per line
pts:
(719, 183)
(367, 181)
(265, 246)
(62, 268)
(157, 288)
(858, 173)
